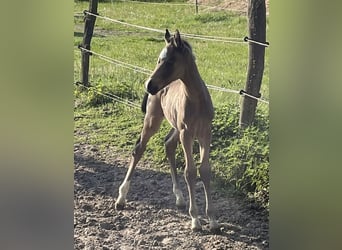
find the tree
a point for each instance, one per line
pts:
(257, 32)
(87, 35)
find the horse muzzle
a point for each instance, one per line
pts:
(150, 87)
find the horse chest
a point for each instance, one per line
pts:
(182, 113)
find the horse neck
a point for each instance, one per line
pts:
(193, 82)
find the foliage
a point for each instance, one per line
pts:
(101, 94)
(208, 17)
(241, 157)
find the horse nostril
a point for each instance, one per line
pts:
(150, 87)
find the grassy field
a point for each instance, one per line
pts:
(239, 158)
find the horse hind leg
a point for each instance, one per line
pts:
(205, 174)
(171, 142)
(151, 126)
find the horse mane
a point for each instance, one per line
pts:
(188, 46)
(144, 103)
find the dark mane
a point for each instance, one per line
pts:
(188, 46)
(144, 103)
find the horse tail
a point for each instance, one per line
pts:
(144, 103)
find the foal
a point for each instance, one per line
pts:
(178, 93)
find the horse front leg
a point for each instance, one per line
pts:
(124, 187)
(190, 174)
(171, 142)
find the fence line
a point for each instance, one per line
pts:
(266, 44)
(177, 4)
(194, 36)
(213, 87)
(111, 96)
(243, 93)
(124, 23)
(148, 72)
(117, 62)
(164, 3)
(214, 37)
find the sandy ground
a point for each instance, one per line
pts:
(151, 219)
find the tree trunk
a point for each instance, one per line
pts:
(87, 35)
(257, 32)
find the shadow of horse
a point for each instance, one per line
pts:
(151, 192)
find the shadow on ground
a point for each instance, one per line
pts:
(151, 219)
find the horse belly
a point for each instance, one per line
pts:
(171, 116)
(172, 102)
(180, 119)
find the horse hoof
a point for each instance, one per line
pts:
(119, 206)
(196, 229)
(215, 228)
(181, 207)
(196, 225)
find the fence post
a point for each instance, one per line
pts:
(257, 32)
(87, 35)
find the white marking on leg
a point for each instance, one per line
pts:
(123, 190)
(195, 224)
(180, 202)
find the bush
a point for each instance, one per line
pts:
(241, 157)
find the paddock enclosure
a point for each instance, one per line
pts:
(108, 121)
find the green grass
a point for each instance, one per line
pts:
(239, 159)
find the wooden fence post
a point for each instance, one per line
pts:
(87, 35)
(257, 32)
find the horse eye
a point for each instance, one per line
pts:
(171, 61)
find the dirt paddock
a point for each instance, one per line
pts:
(151, 219)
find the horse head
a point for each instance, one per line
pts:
(172, 63)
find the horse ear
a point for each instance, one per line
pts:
(178, 40)
(167, 36)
